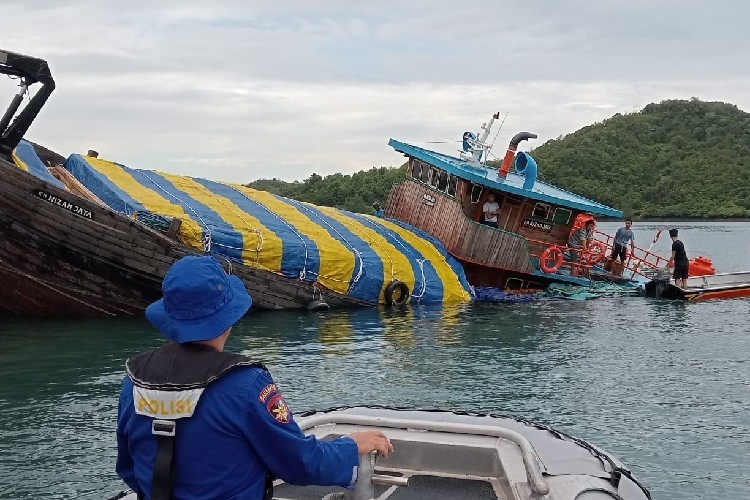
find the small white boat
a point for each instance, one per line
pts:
(713, 286)
(448, 455)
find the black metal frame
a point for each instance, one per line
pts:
(30, 70)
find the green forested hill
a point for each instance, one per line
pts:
(672, 159)
(356, 192)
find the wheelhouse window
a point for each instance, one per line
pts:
(425, 173)
(476, 193)
(452, 183)
(416, 169)
(514, 284)
(562, 216)
(541, 211)
(442, 182)
(434, 176)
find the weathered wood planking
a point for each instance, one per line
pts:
(443, 217)
(58, 263)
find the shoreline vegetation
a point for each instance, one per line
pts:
(677, 161)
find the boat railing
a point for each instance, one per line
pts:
(640, 262)
(533, 472)
(579, 267)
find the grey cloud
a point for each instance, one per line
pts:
(239, 90)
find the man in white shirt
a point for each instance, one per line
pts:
(490, 209)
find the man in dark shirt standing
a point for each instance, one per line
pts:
(679, 260)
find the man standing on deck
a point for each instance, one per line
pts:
(490, 209)
(195, 422)
(678, 260)
(622, 236)
(579, 241)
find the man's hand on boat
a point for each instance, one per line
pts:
(369, 441)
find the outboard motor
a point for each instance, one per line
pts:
(659, 283)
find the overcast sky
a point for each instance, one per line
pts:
(241, 90)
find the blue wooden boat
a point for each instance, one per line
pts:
(443, 195)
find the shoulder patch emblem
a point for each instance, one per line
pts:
(278, 409)
(267, 391)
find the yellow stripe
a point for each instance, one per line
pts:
(190, 231)
(19, 162)
(395, 264)
(336, 261)
(259, 249)
(453, 291)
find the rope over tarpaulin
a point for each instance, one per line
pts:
(354, 254)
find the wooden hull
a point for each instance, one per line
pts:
(490, 257)
(470, 242)
(718, 286)
(62, 255)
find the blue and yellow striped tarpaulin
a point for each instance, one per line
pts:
(25, 158)
(349, 253)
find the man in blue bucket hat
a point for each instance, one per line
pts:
(195, 422)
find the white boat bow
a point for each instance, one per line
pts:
(447, 455)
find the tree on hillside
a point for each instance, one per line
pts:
(356, 192)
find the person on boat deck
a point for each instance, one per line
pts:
(377, 211)
(490, 210)
(678, 260)
(622, 237)
(233, 431)
(579, 241)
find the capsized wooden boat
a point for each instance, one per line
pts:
(445, 455)
(714, 286)
(62, 255)
(74, 242)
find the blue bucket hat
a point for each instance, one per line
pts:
(200, 301)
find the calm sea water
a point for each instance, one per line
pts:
(663, 385)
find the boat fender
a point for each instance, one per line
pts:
(401, 298)
(597, 251)
(553, 255)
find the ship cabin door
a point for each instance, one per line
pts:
(510, 206)
(510, 212)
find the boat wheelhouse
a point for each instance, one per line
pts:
(443, 195)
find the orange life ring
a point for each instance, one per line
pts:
(552, 255)
(595, 254)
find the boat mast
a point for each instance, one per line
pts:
(475, 147)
